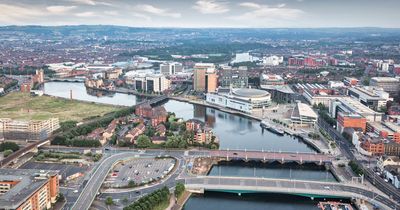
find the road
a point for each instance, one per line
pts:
(98, 175)
(345, 146)
(290, 187)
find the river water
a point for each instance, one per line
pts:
(234, 132)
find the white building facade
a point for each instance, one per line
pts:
(243, 100)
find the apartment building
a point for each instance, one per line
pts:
(28, 189)
(28, 130)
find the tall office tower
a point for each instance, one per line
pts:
(170, 68)
(204, 77)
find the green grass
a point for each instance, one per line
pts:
(25, 107)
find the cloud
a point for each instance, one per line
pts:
(11, 14)
(91, 2)
(250, 5)
(211, 7)
(59, 9)
(156, 11)
(85, 14)
(262, 13)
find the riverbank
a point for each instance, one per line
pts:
(317, 145)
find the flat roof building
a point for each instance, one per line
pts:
(205, 77)
(389, 84)
(28, 189)
(171, 68)
(372, 96)
(242, 99)
(28, 130)
(317, 93)
(303, 114)
(353, 107)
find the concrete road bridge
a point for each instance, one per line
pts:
(311, 189)
(266, 156)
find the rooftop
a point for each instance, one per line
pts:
(29, 181)
(247, 92)
(385, 79)
(305, 110)
(355, 106)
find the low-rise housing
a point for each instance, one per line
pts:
(135, 132)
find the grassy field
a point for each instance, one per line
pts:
(23, 106)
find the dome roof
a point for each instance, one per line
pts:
(250, 93)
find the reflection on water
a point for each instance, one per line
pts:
(262, 201)
(273, 170)
(62, 89)
(236, 132)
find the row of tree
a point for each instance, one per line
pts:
(73, 135)
(150, 201)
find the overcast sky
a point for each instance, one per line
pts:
(203, 13)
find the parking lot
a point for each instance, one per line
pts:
(65, 169)
(138, 172)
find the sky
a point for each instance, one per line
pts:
(204, 13)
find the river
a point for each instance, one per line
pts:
(62, 89)
(234, 132)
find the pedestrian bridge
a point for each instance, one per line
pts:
(267, 156)
(313, 189)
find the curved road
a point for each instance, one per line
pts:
(100, 173)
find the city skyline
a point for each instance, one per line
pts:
(203, 13)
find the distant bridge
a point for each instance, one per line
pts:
(66, 79)
(266, 156)
(313, 189)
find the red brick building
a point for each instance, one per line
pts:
(345, 120)
(373, 145)
(194, 125)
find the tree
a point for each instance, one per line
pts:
(143, 141)
(109, 201)
(8, 152)
(179, 189)
(131, 183)
(9, 146)
(125, 200)
(59, 140)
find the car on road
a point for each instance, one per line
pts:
(327, 187)
(75, 191)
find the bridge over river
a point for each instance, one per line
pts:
(311, 189)
(267, 156)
